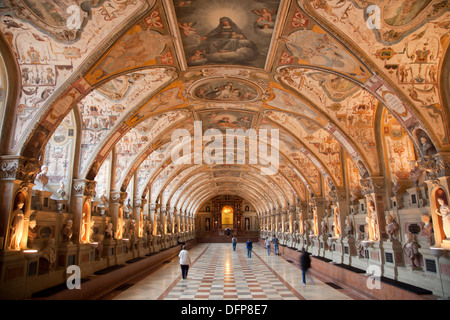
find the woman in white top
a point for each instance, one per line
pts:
(185, 261)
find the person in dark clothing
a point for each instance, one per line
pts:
(249, 248)
(305, 264)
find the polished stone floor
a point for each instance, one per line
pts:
(219, 273)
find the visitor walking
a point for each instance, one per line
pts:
(234, 242)
(268, 245)
(305, 264)
(185, 261)
(249, 248)
(276, 251)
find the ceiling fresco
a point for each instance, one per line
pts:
(349, 101)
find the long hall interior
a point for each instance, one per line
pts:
(130, 128)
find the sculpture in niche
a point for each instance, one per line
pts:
(395, 185)
(324, 227)
(427, 148)
(415, 172)
(99, 248)
(103, 198)
(358, 243)
(428, 228)
(17, 225)
(316, 222)
(391, 227)
(109, 233)
(49, 252)
(337, 223)
(67, 231)
(32, 233)
(61, 190)
(411, 250)
(372, 224)
(42, 178)
(348, 227)
(444, 212)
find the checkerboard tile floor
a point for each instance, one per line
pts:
(218, 273)
(221, 273)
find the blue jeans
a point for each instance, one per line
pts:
(268, 250)
(304, 275)
(249, 253)
(275, 249)
(234, 246)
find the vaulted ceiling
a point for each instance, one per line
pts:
(101, 86)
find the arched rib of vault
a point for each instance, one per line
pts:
(162, 140)
(194, 180)
(271, 184)
(156, 193)
(208, 194)
(85, 55)
(10, 82)
(350, 41)
(197, 181)
(206, 197)
(249, 183)
(113, 139)
(183, 185)
(195, 194)
(312, 179)
(319, 158)
(157, 130)
(333, 125)
(198, 186)
(177, 178)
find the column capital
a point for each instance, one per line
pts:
(83, 188)
(18, 168)
(139, 202)
(118, 197)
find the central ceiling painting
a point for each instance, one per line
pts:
(218, 32)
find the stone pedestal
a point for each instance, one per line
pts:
(416, 200)
(397, 202)
(121, 250)
(67, 255)
(349, 249)
(393, 258)
(41, 200)
(85, 256)
(109, 251)
(338, 250)
(323, 245)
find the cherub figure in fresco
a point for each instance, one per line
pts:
(265, 15)
(198, 55)
(187, 29)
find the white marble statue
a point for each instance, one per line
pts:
(17, 225)
(444, 212)
(42, 178)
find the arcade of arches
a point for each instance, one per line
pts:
(107, 105)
